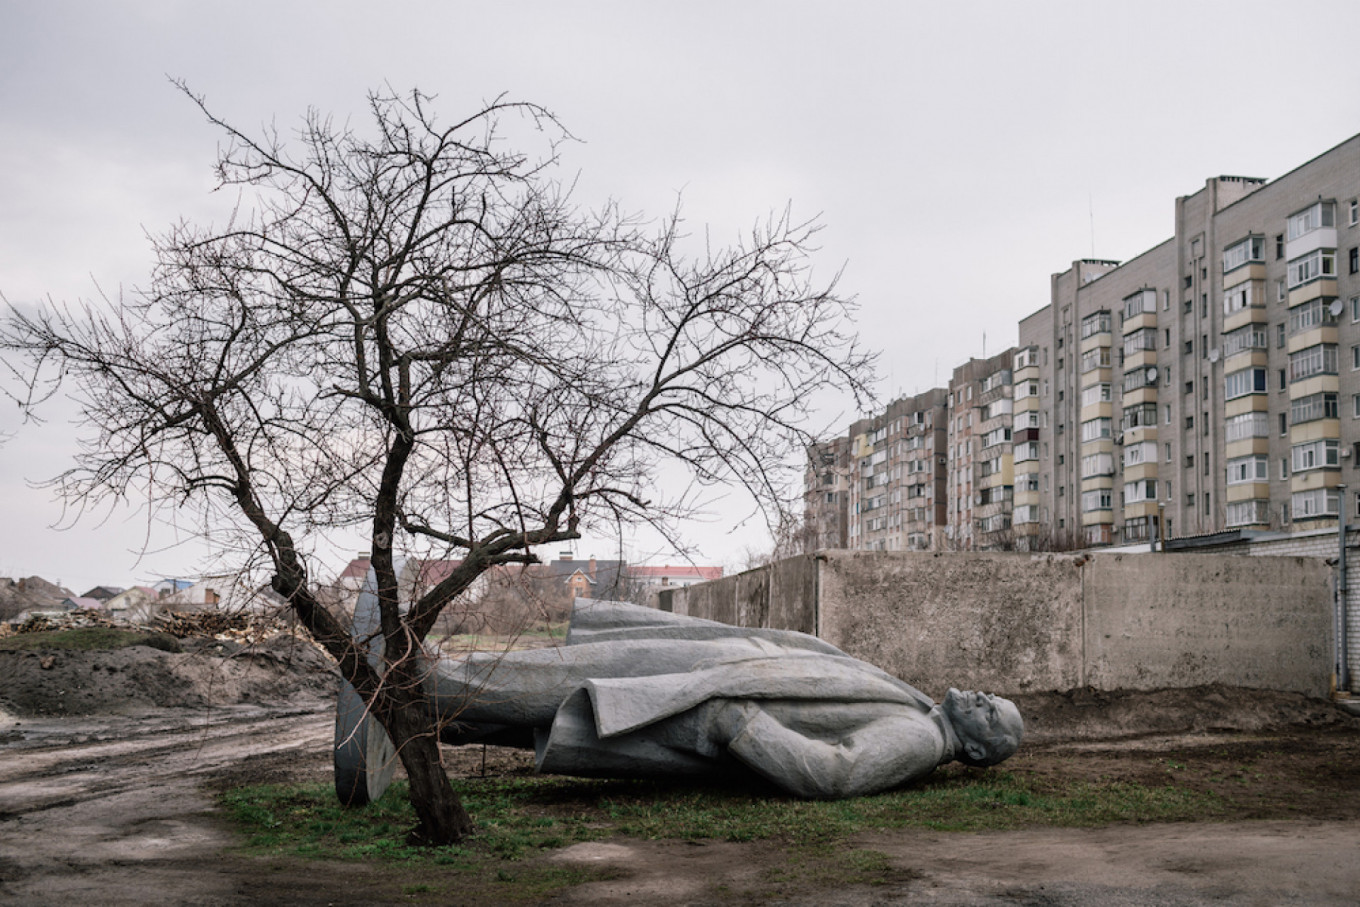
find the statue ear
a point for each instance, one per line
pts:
(975, 751)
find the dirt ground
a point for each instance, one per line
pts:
(111, 809)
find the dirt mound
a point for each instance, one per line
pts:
(134, 679)
(1086, 714)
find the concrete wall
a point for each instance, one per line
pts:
(1189, 619)
(1019, 622)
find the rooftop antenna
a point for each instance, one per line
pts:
(984, 344)
(1091, 210)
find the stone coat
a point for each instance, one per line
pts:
(643, 693)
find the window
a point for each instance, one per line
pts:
(1255, 468)
(1189, 347)
(1027, 451)
(998, 407)
(1247, 425)
(1096, 393)
(1312, 314)
(1247, 513)
(1095, 429)
(1142, 452)
(1355, 212)
(1140, 302)
(1319, 359)
(1253, 248)
(1099, 464)
(1138, 529)
(1284, 424)
(1319, 502)
(1097, 499)
(1280, 335)
(1140, 491)
(1355, 260)
(996, 436)
(1027, 389)
(1098, 323)
(1140, 415)
(1314, 217)
(1355, 406)
(1321, 454)
(1243, 382)
(1279, 246)
(1244, 295)
(1315, 265)
(1139, 377)
(1189, 422)
(1247, 337)
(1095, 358)
(1355, 309)
(1143, 339)
(1189, 461)
(996, 379)
(1026, 513)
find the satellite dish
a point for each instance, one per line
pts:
(1336, 308)
(1152, 374)
(1213, 354)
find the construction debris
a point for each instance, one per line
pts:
(238, 628)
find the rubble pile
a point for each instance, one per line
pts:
(66, 620)
(242, 628)
(238, 628)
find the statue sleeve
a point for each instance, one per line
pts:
(878, 754)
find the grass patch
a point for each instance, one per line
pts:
(519, 817)
(806, 842)
(88, 639)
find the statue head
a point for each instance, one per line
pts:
(989, 728)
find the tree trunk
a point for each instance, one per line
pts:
(439, 810)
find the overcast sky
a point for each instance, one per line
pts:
(958, 154)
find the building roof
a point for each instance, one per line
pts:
(645, 572)
(432, 572)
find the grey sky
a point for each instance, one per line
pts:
(957, 154)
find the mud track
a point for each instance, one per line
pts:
(114, 811)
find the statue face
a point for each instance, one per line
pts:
(988, 727)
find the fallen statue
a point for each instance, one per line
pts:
(636, 692)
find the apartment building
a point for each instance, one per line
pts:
(980, 466)
(1211, 383)
(884, 482)
(826, 495)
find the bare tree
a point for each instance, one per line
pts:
(415, 332)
